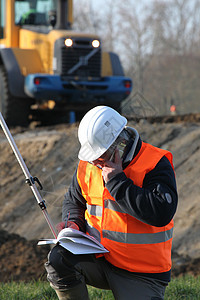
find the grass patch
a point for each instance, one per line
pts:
(186, 287)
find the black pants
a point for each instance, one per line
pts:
(67, 271)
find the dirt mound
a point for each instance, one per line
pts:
(21, 259)
(182, 265)
(191, 118)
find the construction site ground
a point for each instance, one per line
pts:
(50, 153)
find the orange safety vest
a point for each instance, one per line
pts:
(133, 245)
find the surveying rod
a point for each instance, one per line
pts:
(29, 179)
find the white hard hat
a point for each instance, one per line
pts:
(98, 129)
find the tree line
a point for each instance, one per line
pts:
(158, 43)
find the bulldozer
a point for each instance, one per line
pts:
(47, 66)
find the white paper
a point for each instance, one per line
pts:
(76, 242)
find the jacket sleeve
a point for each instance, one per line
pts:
(156, 202)
(75, 203)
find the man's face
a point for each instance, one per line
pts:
(103, 158)
(120, 143)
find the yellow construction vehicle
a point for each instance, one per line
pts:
(44, 63)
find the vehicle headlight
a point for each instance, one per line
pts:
(95, 43)
(68, 42)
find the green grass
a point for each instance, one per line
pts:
(187, 287)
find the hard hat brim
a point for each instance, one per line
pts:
(86, 153)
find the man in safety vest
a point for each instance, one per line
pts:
(124, 194)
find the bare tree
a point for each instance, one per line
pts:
(175, 66)
(86, 17)
(108, 32)
(135, 40)
(175, 26)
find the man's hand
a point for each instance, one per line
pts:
(110, 168)
(69, 224)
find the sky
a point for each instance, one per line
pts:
(103, 3)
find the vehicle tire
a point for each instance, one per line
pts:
(14, 110)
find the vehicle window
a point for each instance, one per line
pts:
(33, 12)
(2, 17)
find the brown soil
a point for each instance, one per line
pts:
(50, 153)
(21, 259)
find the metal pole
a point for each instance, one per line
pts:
(29, 179)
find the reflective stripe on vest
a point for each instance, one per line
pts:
(133, 245)
(94, 210)
(138, 238)
(133, 238)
